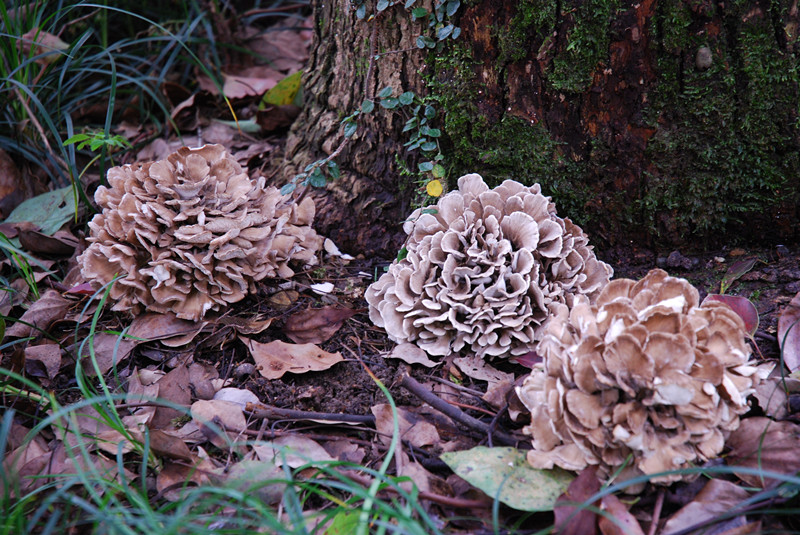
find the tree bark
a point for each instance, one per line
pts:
(668, 123)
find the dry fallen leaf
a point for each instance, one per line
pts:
(412, 354)
(42, 313)
(174, 477)
(316, 325)
(276, 358)
(415, 429)
(49, 355)
(109, 350)
(171, 330)
(717, 497)
(224, 414)
(477, 368)
(789, 334)
(292, 451)
(173, 387)
(766, 445)
(569, 519)
(623, 523)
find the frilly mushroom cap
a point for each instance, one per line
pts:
(193, 232)
(645, 377)
(481, 271)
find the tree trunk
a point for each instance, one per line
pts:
(363, 210)
(660, 122)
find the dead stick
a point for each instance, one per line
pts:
(454, 413)
(657, 512)
(265, 411)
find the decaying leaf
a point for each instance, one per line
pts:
(109, 350)
(42, 313)
(49, 355)
(573, 515)
(277, 357)
(621, 521)
(717, 497)
(742, 306)
(174, 478)
(262, 478)
(412, 354)
(504, 473)
(766, 445)
(173, 387)
(316, 325)
(414, 429)
(223, 414)
(789, 334)
(50, 211)
(171, 330)
(292, 451)
(477, 368)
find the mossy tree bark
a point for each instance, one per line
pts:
(660, 122)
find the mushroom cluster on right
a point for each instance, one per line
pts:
(645, 380)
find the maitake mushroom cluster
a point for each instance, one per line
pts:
(482, 268)
(193, 232)
(646, 378)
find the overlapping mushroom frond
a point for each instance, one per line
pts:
(192, 233)
(646, 378)
(482, 268)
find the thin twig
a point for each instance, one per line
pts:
(259, 410)
(454, 413)
(657, 512)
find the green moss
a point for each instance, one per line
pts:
(587, 44)
(725, 152)
(534, 18)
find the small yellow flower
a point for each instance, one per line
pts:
(434, 188)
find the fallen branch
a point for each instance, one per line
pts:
(274, 413)
(452, 412)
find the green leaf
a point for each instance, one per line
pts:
(411, 124)
(505, 474)
(445, 32)
(456, 33)
(429, 146)
(286, 189)
(317, 179)
(75, 139)
(390, 103)
(407, 98)
(382, 5)
(385, 92)
(438, 171)
(401, 254)
(430, 112)
(425, 166)
(452, 7)
(419, 12)
(420, 41)
(49, 210)
(736, 271)
(350, 128)
(367, 106)
(284, 92)
(433, 132)
(409, 3)
(361, 12)
(334, 170)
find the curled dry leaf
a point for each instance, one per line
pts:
(49, 355)
(173, 480)
(173, 387)
(171, 330)
(42, 313)
(292, 451)
(316, 325)
(570, 517)
(251, 477)
(276, 358)
(789, 334)
(622, 522)
(717, 497)
(109, 350)
(418, 431)
(411, 354)
(766, 445)
(223, 414)
(477, 368)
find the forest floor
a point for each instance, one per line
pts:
(299, 365)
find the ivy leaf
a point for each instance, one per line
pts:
(445, 32)
(418, 13)
(429, 146)
(407, 98)
(317, 179)
(409, 3)
(350, 128)
(452, 7)
(434, 188)
(438, 171)
(430, 112)
(456, 33)
(361, 12)
(286, 189)
(334, 170)
(382, 5)
(410, 124)
(425, 166)
(385, 92)
(401, 254)
(390, 103)
(367, 106)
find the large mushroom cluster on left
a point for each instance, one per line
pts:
(192, 233)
